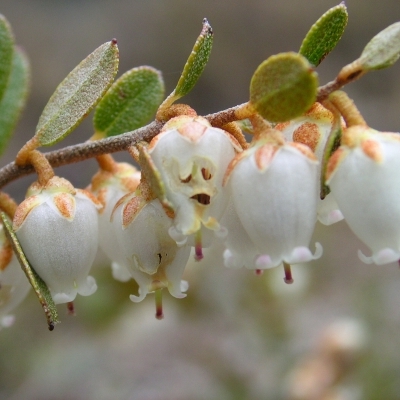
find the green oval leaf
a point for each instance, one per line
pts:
(194, 67)
(196, 62)
(40, 288)
(14, 98)
(6, 53)
(130, 103)
(383, 50)
(283, 87)
(78, 94)
(324, 35)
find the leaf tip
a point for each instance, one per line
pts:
(207, 29)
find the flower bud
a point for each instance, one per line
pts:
(152, 257)
(109, 187)
(313, 129)
(192, 157)
(57, 226)
(363, 175)
(274, 193)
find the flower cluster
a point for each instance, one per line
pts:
(199, 186)
(311, 158)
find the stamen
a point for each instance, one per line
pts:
(187, 179)
(198, 247)
(202, 198)
(206, 174)
(159, 306)
(288, 274)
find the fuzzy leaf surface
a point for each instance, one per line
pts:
(78, 94)
(6, 53)
(383, 50)
(324, 35)
(283, 87)
(130, 102)
(40, 288)
(196, 62)
(14, 97)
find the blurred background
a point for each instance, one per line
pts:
(333, 334)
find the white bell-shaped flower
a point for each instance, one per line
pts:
(363, 174)
(109, 187)
(14, 285)
(313, 129)
(57, 226)
(151, 255)
(274, 193)
(192, 157)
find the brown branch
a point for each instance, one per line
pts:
(349, 73)
(222, 118)
(326, 90)
(84, 151)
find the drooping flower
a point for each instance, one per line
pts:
(363, 175)
(274, 194)
(14, 286)
(150, 254)
(109, 187)
(192, 157)
(57, 226)
(313, 129)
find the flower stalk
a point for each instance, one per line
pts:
(159, 304)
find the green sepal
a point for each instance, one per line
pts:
(78, 94)
(40, 288)
(152, 175)
(6, 53)
(331, 146)
(14, 98)
(130, 103)
(383, 50)
(196, 62)
(324, 35)
(283, 87)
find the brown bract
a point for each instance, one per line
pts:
(307, 133)
(232, 166)
(66, 205)
(193, 131)
(373, 150)
(264, 156)
(24, 209)
(304, 149)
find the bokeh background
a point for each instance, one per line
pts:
(333, 334)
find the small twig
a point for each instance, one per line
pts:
(349, 73)
(84, 151)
